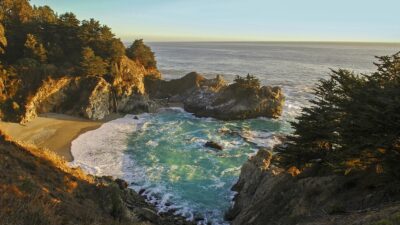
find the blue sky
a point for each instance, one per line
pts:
(242, 20)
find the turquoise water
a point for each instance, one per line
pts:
(163, 157)
(179, 169)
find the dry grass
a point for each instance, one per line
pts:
(38, 188)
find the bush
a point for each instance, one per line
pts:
(142, 53)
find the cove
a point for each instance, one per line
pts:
(162, 156)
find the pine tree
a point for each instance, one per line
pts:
(34, 49)
(354, 122)
(92, 65)
(142, 53)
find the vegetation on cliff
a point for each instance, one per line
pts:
(37, 44)
(341, 165)
(354, 122)
(138, 51)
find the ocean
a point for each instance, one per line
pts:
(162, 155)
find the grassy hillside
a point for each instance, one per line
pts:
(38, 188)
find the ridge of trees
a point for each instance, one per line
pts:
(36, 43)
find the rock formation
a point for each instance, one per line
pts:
(213, 145)
(133, 89)
(214, 98)
(94, 97)
(268, 194)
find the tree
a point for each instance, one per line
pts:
(34, 49)
(249, 81)
(142, 53)
(69, 20)
(92, 65)
(354, 122)
(44, 15)
(17, 11)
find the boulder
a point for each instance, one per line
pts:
(214, 145)
(121, 184)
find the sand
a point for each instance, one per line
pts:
(52, 131)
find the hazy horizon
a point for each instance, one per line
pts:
(239, 21)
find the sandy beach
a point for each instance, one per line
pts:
(52, 131)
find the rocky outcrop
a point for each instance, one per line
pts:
(94, 97)
(270, 195)
(214, 98)
(134, 89)
(88, 97)
(213, 145)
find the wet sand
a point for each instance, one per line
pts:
(52, 131)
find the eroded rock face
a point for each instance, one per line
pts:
(270, 195)
(94, 97)
(133, 89)
(83, 96)
(214, 98)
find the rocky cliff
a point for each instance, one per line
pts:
(94, 97)
(215, 98)
(270, 195)
(133, 89)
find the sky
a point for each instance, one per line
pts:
(242, 20)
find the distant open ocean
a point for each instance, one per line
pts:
(294, 66)
(162, 155)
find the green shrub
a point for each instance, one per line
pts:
(142, 53)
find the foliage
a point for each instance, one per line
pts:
(246, 86)
(354, 122)
(36, 43)
(92, 65)
(248, 82)
(34, 49)
(141, 53)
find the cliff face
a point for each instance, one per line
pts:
(270, 195)
(94, 97)
(214, 98)
(83, 96)
(133, 89)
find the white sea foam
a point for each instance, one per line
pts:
(107, 151)
(101, 152)
(261, 139)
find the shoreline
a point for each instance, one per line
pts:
(53, 131)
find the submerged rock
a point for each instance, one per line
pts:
(214, 145)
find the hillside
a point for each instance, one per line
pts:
(38, 188)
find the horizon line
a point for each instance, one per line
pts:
(268, 41)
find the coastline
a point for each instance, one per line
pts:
(53, 131)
